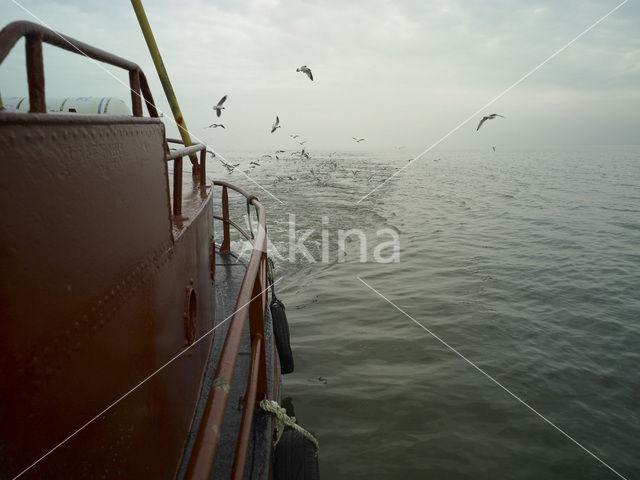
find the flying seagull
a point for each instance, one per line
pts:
(230, 168)
(305, 69)
(488, 117)
(276, 125)
(294, 136)
(358, 140)
(216, 125)
(301, 154)
(218, 108)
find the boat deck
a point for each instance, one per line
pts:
(229, 274)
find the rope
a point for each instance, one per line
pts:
(284, 420)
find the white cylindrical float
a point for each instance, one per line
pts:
(84, 105)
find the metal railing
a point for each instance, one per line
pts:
(36, 34)
(252, 297)
(199, 168)
(251, 302)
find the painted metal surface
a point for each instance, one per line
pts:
(95, 267)
(93, 296)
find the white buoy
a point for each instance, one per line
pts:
(84, 105)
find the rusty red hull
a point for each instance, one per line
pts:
(95, 297)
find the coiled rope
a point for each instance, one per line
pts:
(283, 420)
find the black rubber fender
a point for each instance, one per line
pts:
(281, 332)
(295, 458)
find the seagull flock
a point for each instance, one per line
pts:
(276, 125)
(219, 107)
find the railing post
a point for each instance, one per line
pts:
(35, 74)
(136, 100)
(177, 187)
(203, 167)
(256, 324)
(146, 93)
(226, 241)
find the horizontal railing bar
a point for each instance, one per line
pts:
(240, 190)
(183, 152)
(242, 443)
(234, 225)
(13, 32)
(16, 30)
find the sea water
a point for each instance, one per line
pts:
(508, 345)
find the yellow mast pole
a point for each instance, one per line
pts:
(164, 76)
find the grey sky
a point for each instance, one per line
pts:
(393, 72)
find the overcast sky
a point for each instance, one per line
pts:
(398, 73)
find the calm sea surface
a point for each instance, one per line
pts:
(527, 263)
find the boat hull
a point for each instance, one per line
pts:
(97, 299)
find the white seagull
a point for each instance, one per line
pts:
(218, 108)
(216, 125)
(305, 69)
(276, 125)
(488, 117)
(358, 140)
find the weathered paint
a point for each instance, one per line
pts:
(92, 297)
(93, 257)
